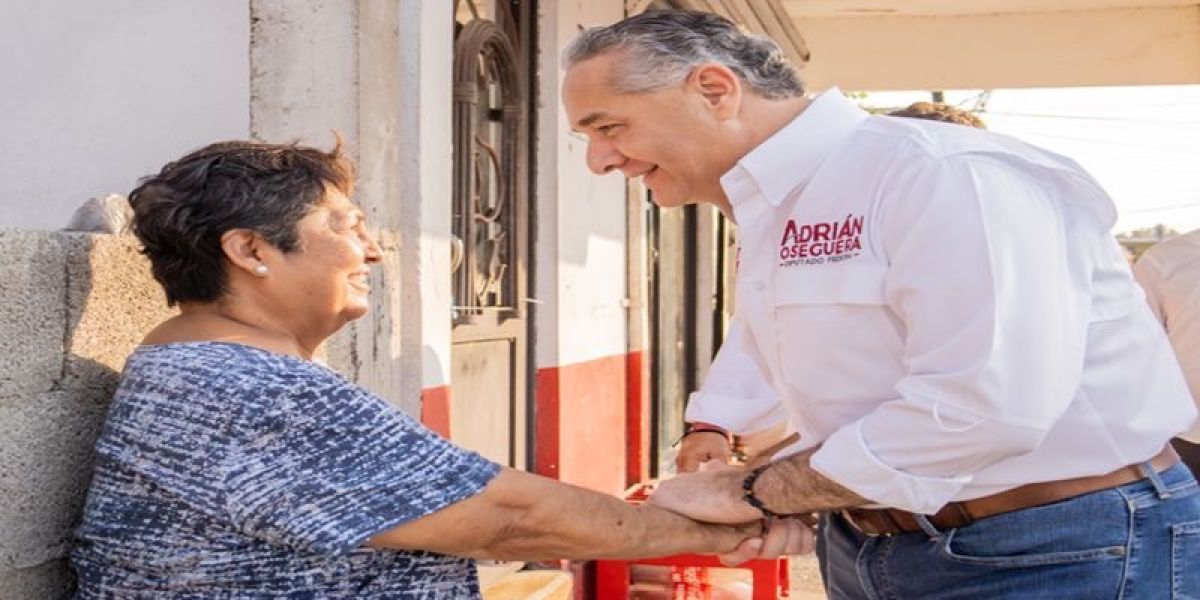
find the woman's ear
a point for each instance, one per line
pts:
(720, 87)
(241, 247)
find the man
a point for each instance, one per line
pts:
(982, 399)
(703, 449)
(1170, 274)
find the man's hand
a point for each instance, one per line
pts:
(701, 447)
(713, 496)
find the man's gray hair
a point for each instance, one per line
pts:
(663, 46)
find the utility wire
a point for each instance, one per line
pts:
(1152, 209)
(1092, 118)
(1122, 144)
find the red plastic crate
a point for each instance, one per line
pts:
(771, 577)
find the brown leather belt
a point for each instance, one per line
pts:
(888, 521)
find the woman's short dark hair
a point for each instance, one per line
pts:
(181, 213)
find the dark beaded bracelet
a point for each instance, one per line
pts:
(752, 500)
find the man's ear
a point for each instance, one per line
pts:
(720, 87)
(241, 247)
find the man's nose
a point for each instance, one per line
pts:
(603, 157)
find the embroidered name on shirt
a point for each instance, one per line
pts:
(820, 243)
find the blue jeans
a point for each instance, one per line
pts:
(1133, 542)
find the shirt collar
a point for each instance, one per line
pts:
(788, 158)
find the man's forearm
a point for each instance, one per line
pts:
(790, 485)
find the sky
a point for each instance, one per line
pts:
(1141, 143)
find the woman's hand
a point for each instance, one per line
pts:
(712, 496)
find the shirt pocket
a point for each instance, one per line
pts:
(836, 337)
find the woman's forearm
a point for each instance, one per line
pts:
(584, 524)
(520, 516)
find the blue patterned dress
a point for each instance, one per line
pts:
(226, 471)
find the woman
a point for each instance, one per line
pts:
(232, 466)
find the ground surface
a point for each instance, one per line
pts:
(806, 579)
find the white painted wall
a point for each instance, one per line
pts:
(94, 95)
(580, 240)
(304, 71)
(427, 173)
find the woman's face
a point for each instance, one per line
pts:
(328, 274)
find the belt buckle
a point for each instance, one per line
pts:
(864, 526)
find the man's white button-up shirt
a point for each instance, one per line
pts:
(942, 309)
(1170, 274)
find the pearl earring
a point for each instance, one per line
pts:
(260, 269)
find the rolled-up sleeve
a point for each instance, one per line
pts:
(995, 331)
(736, 393)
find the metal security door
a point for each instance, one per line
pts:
(692, 263)
(492, 214)
(672, 326)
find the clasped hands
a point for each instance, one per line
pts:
(709, 489)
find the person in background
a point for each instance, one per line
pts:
(231, 465)
(938, 111)
(1130, 256)
(1169, 272)
(984, 403)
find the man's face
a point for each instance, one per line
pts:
(666, 137)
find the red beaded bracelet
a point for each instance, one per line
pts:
(703, 429)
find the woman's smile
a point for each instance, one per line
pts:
(361, 280)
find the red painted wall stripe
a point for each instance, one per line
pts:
(581, 424)
(435, 409)
(593, 416)
(546, 458)
(637, 422)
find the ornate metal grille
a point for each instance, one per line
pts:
(489, 167)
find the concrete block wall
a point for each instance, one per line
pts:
(72, 307)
